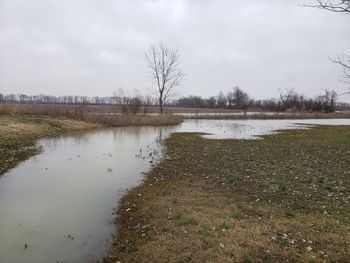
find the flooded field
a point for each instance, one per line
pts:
(249, 129)
(58, 206)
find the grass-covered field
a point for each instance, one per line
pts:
(18, 136)
(285, 198)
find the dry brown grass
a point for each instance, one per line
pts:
(119, 116)
(135, 120)
(50, 109)
(191, 223)
(223, 201)
(197, 110)
(107, 115)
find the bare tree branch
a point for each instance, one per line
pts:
(339, 6)
(344, 61)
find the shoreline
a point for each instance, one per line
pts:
(19, 136)
(233, 201)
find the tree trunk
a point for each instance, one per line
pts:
(161, 105)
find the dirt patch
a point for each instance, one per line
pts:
(281, 199)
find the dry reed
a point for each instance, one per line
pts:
(109, 115)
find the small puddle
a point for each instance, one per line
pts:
(59, 205)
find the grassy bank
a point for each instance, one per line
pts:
(281, 199)
(18, 136)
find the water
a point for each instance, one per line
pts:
(60, 202)
(233, 113)
(249, 129)
(70, 190)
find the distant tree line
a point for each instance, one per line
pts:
(47, 99)
(127, 103)
(288, 100)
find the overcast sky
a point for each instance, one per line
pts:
(90, 47)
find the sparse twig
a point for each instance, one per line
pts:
(340, 6)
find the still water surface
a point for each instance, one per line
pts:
(60, 203)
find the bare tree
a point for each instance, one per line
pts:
(238, 98)
(135, 105)
(291, 100)
(163, 64)
(211, 102)
(229, 97)
(327, 101)
(221, 100)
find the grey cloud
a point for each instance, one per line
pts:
(94, 47)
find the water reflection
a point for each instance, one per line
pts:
(60, 203)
